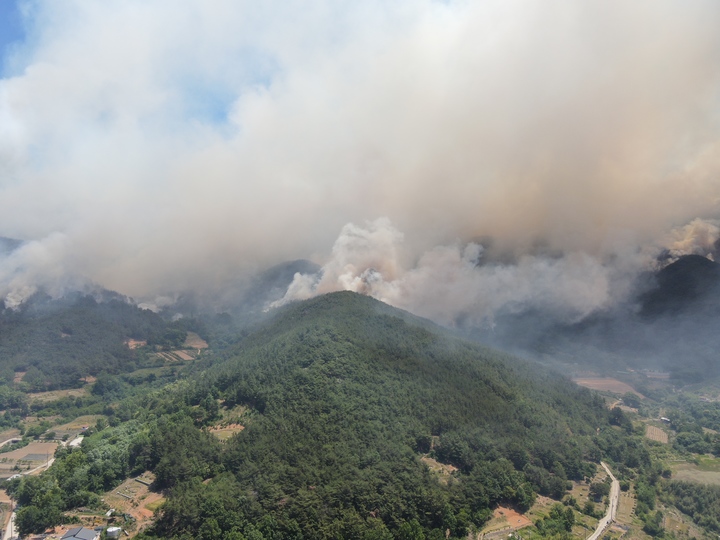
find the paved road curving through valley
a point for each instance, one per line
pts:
(611, 514)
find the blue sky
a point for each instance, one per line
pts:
(11, 30)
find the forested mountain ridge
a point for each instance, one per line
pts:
(59, 341)
(343, 400)
(343, 395)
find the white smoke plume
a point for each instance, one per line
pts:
(452, 281)
(34, 266)
(175, 146)
(699, 237)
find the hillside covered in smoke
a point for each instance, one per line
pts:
(514, 169)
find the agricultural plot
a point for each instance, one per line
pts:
(27, 458)
(656, 434)
(179, 355)
(134, 498)
(504, 521)
(606, 384)
(626, 508)
(44, 397)
(77, 426)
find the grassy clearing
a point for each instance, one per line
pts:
(626, 508)
(541, 508)
(154, 505)
(79, 423)
(443, 471)
(708, 463)
(693, 473)
(223, 433)
(144, 372)
(44, 397)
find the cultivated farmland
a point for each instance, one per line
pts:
(656, 434)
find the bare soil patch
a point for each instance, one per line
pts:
(503, 521)
(514, 519)
(656, 434)
(133, 497)
(194, 341)
(9, 434)
(35, 451)
(606, 384)
(19, 375)
(135, 343)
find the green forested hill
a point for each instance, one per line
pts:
(345, 395)
(59, 341)
(342, 397)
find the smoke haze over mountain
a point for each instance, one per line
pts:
(156, 146)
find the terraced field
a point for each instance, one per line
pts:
(656, 434)
(606, 384)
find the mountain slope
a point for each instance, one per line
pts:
(670, 325)
(690, 283)
(343, 395)
(58, 341)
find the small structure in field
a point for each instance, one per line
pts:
(81, 533)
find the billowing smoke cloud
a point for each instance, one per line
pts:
(175, 146)
(699, 237)
(34, 265)
(453, 281)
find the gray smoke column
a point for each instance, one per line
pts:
(179, 146)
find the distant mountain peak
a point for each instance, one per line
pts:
(692, 281)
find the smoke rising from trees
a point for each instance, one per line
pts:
(151, 147)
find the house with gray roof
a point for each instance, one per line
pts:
(81, 533)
